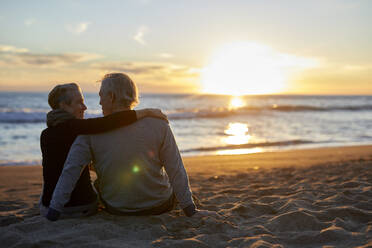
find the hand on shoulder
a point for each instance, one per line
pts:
(151, 112)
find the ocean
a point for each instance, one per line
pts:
(208, 124)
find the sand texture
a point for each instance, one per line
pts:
(20, 188)
(307, 198)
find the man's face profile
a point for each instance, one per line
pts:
(105, 100)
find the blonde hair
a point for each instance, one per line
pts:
(62, 93)
(122, 87)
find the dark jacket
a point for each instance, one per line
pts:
(55, 142)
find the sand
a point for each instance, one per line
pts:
(300, 198)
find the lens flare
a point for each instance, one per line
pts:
(135, 169)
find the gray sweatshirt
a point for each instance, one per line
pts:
(138, 166)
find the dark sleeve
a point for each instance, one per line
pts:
(101, 124)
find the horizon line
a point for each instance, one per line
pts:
(209, 94)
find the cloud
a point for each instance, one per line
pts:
(147, 68)
(13, 56)
(166, 55)
(53, 59)
(140, 34)
(155, 76)
(357, 68)
(11, 49)
(29, 22)
(135, 68)
(77, 28)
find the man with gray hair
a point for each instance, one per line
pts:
(139, 167)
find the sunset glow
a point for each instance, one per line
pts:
(241, 48)
(244, 68)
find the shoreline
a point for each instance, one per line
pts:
(283, 158)
(255, 150)
(297, 198)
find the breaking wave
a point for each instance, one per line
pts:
(19, 116)
(250, 145)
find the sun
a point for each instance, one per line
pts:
(244, 68)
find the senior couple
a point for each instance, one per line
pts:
(134, 153)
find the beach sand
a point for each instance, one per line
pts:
(299, 198)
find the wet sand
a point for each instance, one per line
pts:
(299, 198)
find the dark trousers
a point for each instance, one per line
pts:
(167, 206)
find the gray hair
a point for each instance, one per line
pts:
(62, 93)
(122, 87)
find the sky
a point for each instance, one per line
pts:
(248, 47)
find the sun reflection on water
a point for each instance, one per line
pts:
(240, 151)
(237, 134)
(236, 102)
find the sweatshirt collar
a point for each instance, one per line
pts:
(58, 116)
